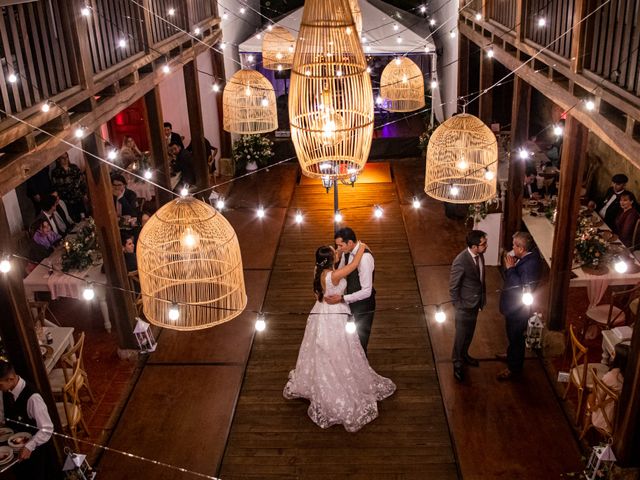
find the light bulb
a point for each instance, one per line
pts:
(337, 217)
(590, 105)
(620, 265)
(5, 265)
(490, 53)
(404, 79)
(367, 49)
(247, 91)
(148, 174)
(364, 39)
(433, 84)
(12, 78)
(395, 27)
(489, 175)
(398, 61)
(88, 293)
(264, 102)
(243, 10)
(260, 212)
(112, 155)
(196, 30)
(171, 11)
(261, 324)
(350, 327)
(542, 22)
(478, 16)
(79, 132)
(432, 22)
(523, 154)
(348, 31)
(398, 39)
(298, 217)
(250, 58)
(259, 36)
(270, 27)
(527, 296)
(225, 16)
(338, 73)
(378, 212)
(220, 204)
(368, 69)
(379, 100)
(415, 202)
(189, 239)
(440, 316)
(174, 312)
(216, 87)
(307, 73)
(452, 34)
(454, 191)
(184, 191)
(558, 130)
(166, 68)
(85, 12)
(423, 9)
(462, 164)
(122, 43)
(223, 45)
(279, 68)
(46, 107)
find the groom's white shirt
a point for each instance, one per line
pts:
(365, 272)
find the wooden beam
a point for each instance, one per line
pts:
(158, 142)
(217, 65)
(578, 35)
(574, 152)
(122, 309)
(521, 106)
(196, 126)
(80, 41)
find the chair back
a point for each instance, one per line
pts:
(71, 360)
(578, 355)
(71, 399)
(605, 400)
(623, 300)
(134, 286)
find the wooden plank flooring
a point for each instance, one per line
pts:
(272, 437)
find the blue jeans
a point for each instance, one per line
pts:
(516, 329)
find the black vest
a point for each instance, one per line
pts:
(17, 410)
(353, 285)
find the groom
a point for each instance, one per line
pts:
(361, 296)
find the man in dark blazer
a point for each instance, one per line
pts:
(522, 270)
(171, 136)
(609, 207)
(530, 188)
(468, 295)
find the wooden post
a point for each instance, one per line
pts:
(80, 39)
(521, 21)
(122, 309)
(485, 106)
(217, 63)
(158, 142)
(18, 332)
(194, 107)
(574, 151)
(519, 134)
(626, 439)
(578, 36)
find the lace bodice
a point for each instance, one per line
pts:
(331, 289)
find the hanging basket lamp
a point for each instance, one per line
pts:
(249, 104)
(357, 15)
(278, 46)
(331, 100)
(190, 267)
(462, 161)
(402, 86)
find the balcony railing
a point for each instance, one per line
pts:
(504, 12)
(161, 29)
(202, 9)
(556, 34)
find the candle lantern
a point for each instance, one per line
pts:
(144, 336)
(600, 463)
(76, 467)
(534, 331)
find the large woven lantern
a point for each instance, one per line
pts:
(331, 100)
(278, 46)
(190, 267)
(402, 86)
(462, 161)
(357, 15)
(249, 104)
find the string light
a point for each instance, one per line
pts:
(264, 102)
(416, 203)
(462, 164)
(174, 312)
(84, 11)
(423, 9)
(527, 296)
(250, 58)
(260, 212)
(196, 31)
(399, 40)
(337, 216)
(452, 33)
(542, 22)
(395, 27)
(184, 191)
(46, 106)
(490, 52)
(166, 69)
(79, 132)
(478, 17)
(350, 326)
(432, 22)
(5, 265)
(223, 45)
(243, 10)
(148, 174)
(261, 324)
(454, 190)
(220, 204)
(348, 31)
(488, 174)
(558, 130)
(171, 12)
(112, 154)
(12, 78)
(270, 27)
(259, 36)
(122, 43)
(433, 84)
(620, 265)
(225, 16)
(377, 211)
(440, 316)
(523, 154)
(215, 87)
(590, 104)
(299, 217)
(368, 69)
(379, 100)
(88, 293)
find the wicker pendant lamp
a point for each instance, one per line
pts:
(278, 46)
(357, 15)
(402, 86)
(249, 104)
(331, 100)
(462, 161)
(188, 253)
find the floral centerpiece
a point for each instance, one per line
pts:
(252, 148)
(590, 247)
(79, 248)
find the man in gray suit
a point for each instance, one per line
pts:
(468, 295)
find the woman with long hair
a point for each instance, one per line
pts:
(332, 370)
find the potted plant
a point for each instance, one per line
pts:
(251, 152)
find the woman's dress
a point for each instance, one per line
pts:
(332, 370)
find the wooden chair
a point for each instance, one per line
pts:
(134, 286)
(71, 364)
(581, 374)
(602, 400)
(614, 314)
(70, 410)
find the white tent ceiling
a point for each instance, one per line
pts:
(378, 30)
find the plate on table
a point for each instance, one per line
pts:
(46, 350)
(19, 440)
(6, 455)
(532, 203)
(5, 433)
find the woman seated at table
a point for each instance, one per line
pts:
(612, 379)
(129, 152)
(626, 220)
(44, 234)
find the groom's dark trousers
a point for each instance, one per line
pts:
(363, 310)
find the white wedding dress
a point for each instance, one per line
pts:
(332, 370)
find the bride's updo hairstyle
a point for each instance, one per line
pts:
(324, 260)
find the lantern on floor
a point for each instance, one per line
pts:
(76, 466)
(357, 15)
(461, 153)
(249, 104)
(600, 463)
(331, 100)
(402, 86)
(144, 336)
(278, 46)
(190, 267)
(534, 331)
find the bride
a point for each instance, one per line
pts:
(332, 370)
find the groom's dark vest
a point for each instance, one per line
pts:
(353, 285)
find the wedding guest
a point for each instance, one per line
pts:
(129, 152)
(21, 401)
(44, 234)
(627, 218)
(49, 213)
(129, 251)
(183, 163)
(609, 207)
(69, 182)
(171, 136)
(125, 200)
(613, 379)
(38, 186)
(530, 188)
(62, 210)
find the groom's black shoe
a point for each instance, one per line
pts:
(458, 374)
(469, 360)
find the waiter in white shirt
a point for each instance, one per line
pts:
(360, 294)
(22, 403)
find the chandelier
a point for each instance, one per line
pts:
(402, 86)
(249, 104)
(278, 46)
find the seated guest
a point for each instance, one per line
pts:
(129, 152)
(44, 234)
(627, 218)
(530, 188)
(125, 200)
(613, 379)
(609, 207)
(183, 163)
(129, 250)
(171, 136)
(49, 212)
(62, 210)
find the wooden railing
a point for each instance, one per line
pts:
(556, 35)
(201, 9)
(504, 12)
(162, 28)
(35, 47)
(612, 48)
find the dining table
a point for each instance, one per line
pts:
(62, 340)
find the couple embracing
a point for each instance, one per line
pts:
(332, 370)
